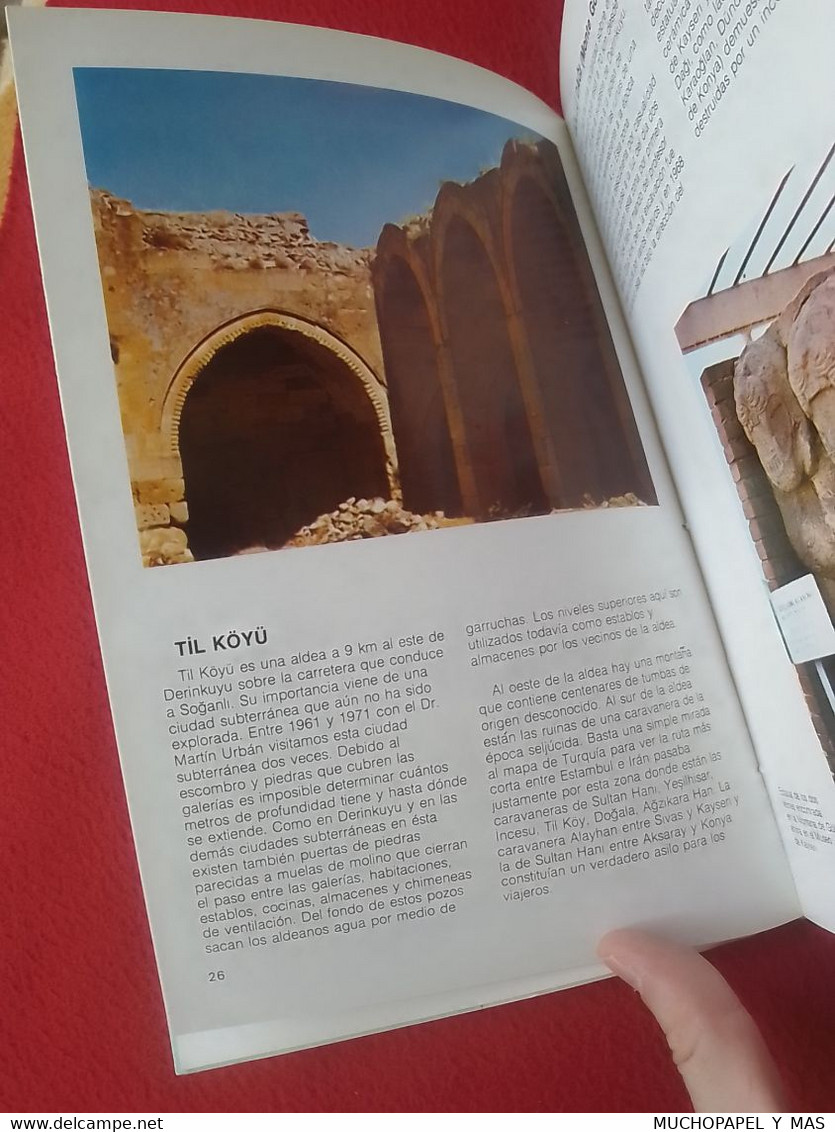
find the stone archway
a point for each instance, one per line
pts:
(499, 440)
(411, 352)
(275, 422)
(587, 413)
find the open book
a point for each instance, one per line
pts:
(309, 292)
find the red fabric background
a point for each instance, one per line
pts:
(80, 1010)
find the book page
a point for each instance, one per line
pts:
(415, 684)
(704, 130)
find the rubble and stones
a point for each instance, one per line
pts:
(368, 518)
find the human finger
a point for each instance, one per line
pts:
(715, 1044)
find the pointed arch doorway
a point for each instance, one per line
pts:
(275, 422)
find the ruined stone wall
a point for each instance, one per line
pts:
(256, 394)
(172, 282)
(505, 389)
(779, 560)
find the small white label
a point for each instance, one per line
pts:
(804, 620)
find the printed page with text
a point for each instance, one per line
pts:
(704, 132)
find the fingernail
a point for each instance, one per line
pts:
(630, 973)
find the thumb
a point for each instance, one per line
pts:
(717, 1048)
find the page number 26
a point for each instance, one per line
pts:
(217, 976)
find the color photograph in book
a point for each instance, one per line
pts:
(760, 340)
(340, 312)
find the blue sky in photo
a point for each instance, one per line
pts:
(348, 157)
